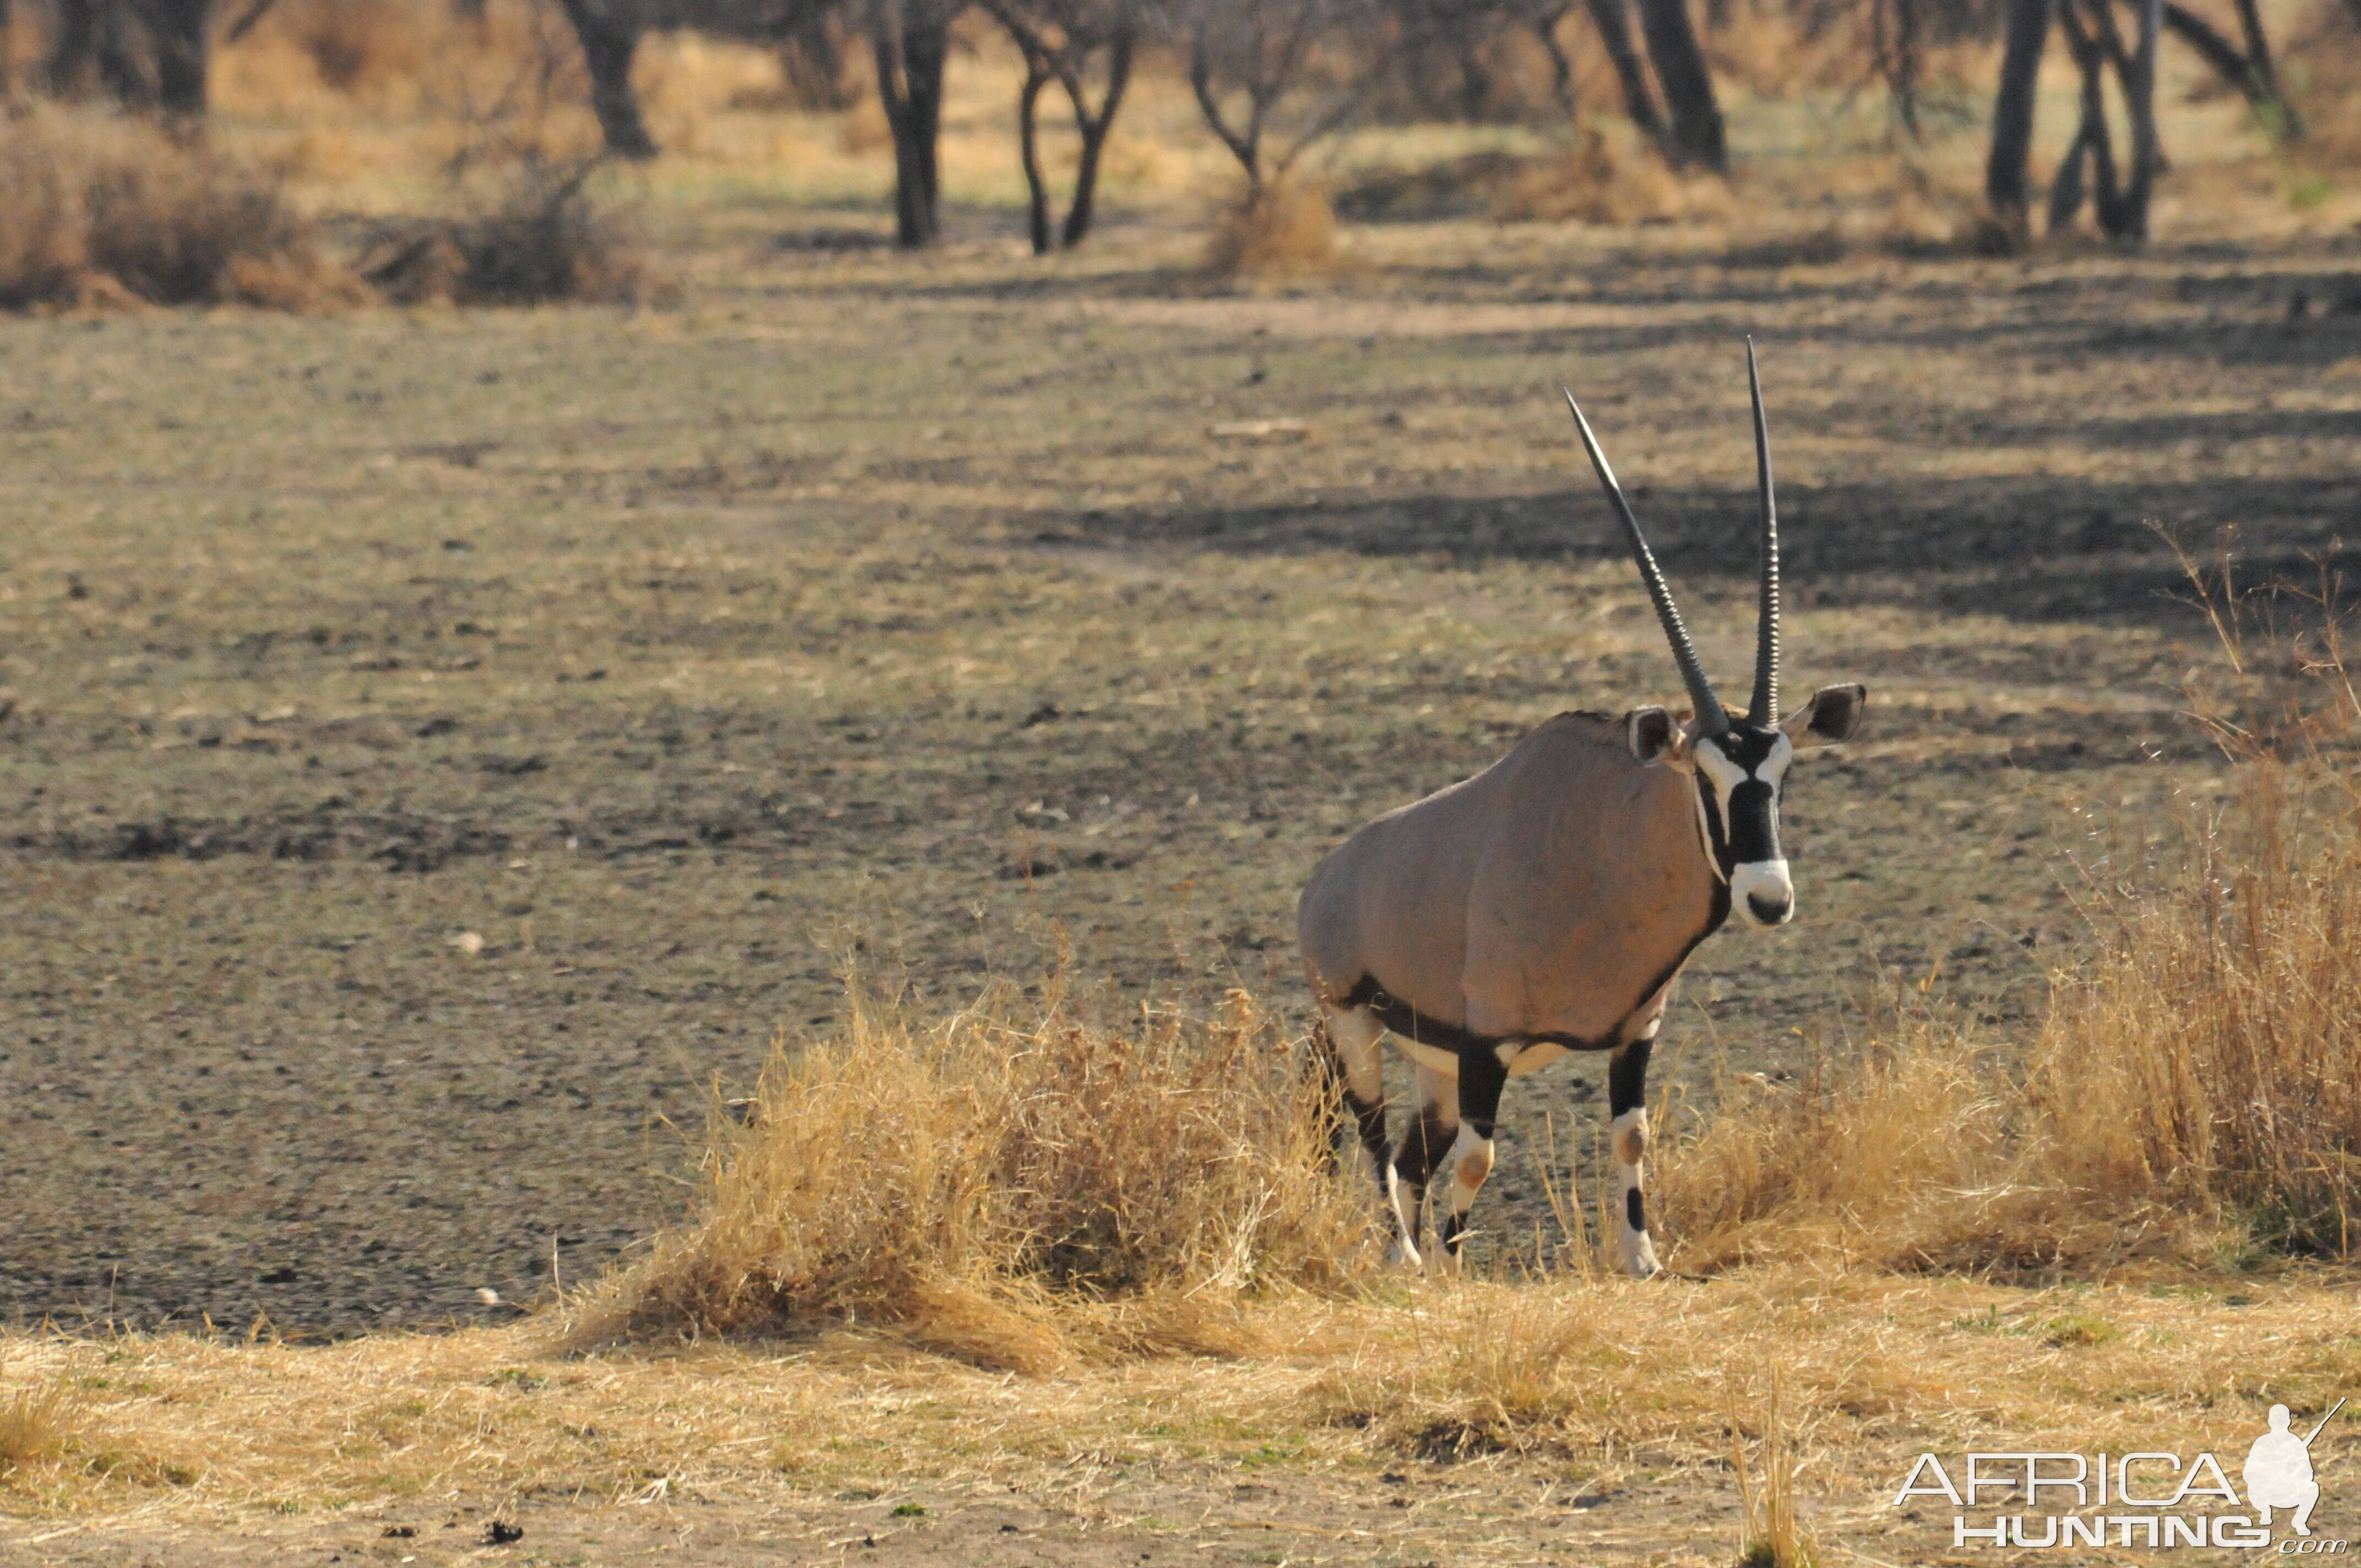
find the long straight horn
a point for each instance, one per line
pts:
(1765, 708)
(1712, 718)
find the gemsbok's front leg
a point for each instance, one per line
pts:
(1481, 1079)
(1627, 1134)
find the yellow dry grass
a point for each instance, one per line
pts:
(1612, 1378)
(2195, 1091)
(1015, 1185)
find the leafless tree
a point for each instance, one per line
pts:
(910, 42)
(2121, 203)
(1069, 42)
(1250, 66)
(1613, 20)
(2008, 178)
(2247, 66)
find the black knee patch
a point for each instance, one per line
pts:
(1634, 1210)
(1370, 1120)
(1454, 1227)
(1423, 1149)
(1627, 1078)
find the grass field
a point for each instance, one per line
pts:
(439, 750)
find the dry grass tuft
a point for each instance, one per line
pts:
(95, 209)
(1014, 1192)
(37, 1424)
(1773, 1537)
(1286, 227)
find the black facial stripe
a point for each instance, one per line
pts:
(1753, 809)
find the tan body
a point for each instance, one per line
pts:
(1548, 900)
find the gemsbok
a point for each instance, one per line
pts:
(1547, 905)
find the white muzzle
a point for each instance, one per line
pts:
(1761, 892)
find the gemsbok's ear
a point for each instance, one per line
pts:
(1651, 735)
(1833, 714)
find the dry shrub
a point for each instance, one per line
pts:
(533, 237)
(1011, 1192)
(96, 208)
(2212, 1059)
(387, 56)
(1287, 227)
(1907, 1159)
(357, 45)
(1602, 178)
(1600, 181)
(2196, 1089)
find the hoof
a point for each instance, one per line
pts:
(1640, 1258)
(1405, 1257)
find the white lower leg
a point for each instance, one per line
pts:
(1628, 1134)
(1408, 1205)
(1470, 1162)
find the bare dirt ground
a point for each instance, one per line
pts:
(436, 749)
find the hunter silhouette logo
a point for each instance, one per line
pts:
(2278, 1471)
(2151, 1500)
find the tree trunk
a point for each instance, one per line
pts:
(1095, 129)
(1689, 84)
(2094, 150)
(93, 52)
(2138, 78)
(2007, 172)
(1037, 188)
(926, 49)
(180, 28)
(609, 40)
(909, 59)
(1614, 25)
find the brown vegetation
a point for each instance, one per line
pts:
(1286, 227)
(96, 208)
(539, 238)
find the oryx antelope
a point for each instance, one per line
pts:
(1546, 905)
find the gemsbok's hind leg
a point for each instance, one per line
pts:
(1354, 1045)
(1627, 1135)
(1431, 1133)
